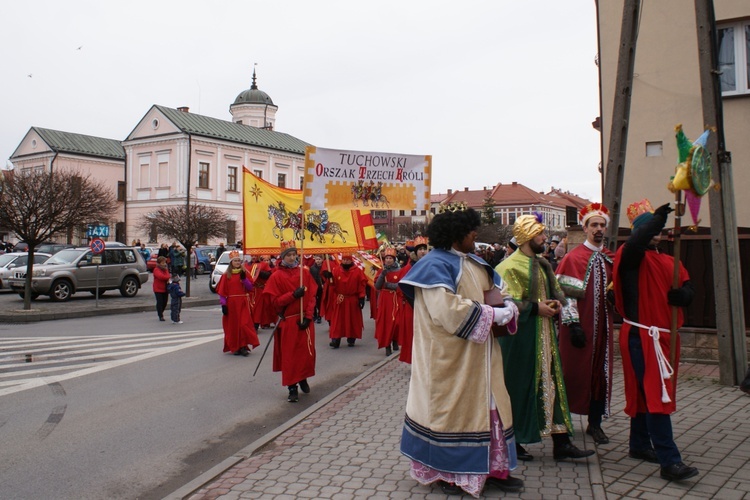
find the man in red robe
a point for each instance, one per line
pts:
(348, 289)
(405, 319)
(387, 284)
(643, 296)
(586, 333)
(259, 270)
(292, 293)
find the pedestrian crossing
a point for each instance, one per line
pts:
(26, 363)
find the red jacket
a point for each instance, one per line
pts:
(161, 278)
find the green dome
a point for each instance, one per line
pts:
(253, 95)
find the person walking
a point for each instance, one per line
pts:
(234, 296)
(348, 286)
(458, 428)
(386, 284)
(587, 322)
(161, 278)
(644, 297)
(316, 270)
(532, 359)
(292, 294)
(176, 294)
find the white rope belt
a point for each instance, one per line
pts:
(665, 369)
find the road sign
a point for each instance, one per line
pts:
(97, 246)
(97, 231)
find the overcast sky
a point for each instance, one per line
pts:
(495, 90)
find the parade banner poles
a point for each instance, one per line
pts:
(679, 211)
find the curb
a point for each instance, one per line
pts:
(34, 316)
(249, 450)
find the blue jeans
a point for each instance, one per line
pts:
(647, 428)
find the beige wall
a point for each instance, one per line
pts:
(666, 92)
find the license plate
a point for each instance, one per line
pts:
(19, 275)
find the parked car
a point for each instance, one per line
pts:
(52, 248)
(73, 270)
(10, 262)
(206, 258)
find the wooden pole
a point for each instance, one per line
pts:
(679, 210)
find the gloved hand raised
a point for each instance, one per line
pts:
(327, 274)
(664, 210)
(299, 292)
(577, 337)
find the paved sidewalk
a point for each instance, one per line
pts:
(347, 447)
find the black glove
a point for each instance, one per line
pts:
(664, 210)
(681, 297)
(242, 275)
(304, 323)
(611, 296)
(264, 275)
(224, 310)
(299, 292)
(362, 303)
(577, 337)
(327, 275)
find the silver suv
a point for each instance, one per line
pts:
(74, 270)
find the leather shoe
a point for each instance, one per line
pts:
(569, 450)
(598, 434)
(335, 343)
(450, 488)
(350, 342)
(510, 484)
(522, 454)
(304, 386)
(647, 455)
(388, 351)
(678, 472)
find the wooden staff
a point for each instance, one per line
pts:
(678, 212)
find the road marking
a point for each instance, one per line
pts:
(53, 354)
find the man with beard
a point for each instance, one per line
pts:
(586, 332)
(532, 361)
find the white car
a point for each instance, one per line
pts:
(10, 262)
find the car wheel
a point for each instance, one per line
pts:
(129, 287)
(61, 290)
(211, 285)
(201, 268)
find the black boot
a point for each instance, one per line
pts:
(563, 448)
(395, 346)
(335, 343)
(293, 394)
(350, 341)
(388, 351)
(304, 386)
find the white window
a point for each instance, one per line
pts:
(144, 172)
(258, 173)
(281, 180)
(734, 58)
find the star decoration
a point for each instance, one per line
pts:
(256, 192)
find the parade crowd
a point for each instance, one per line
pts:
(502, 349)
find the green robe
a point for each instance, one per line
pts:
(533, 373)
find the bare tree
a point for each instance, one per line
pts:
(38, 204)
(188, 225)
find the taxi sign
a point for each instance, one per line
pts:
(97, 246)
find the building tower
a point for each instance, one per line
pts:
(254, 108)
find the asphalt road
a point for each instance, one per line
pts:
(125, 406)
